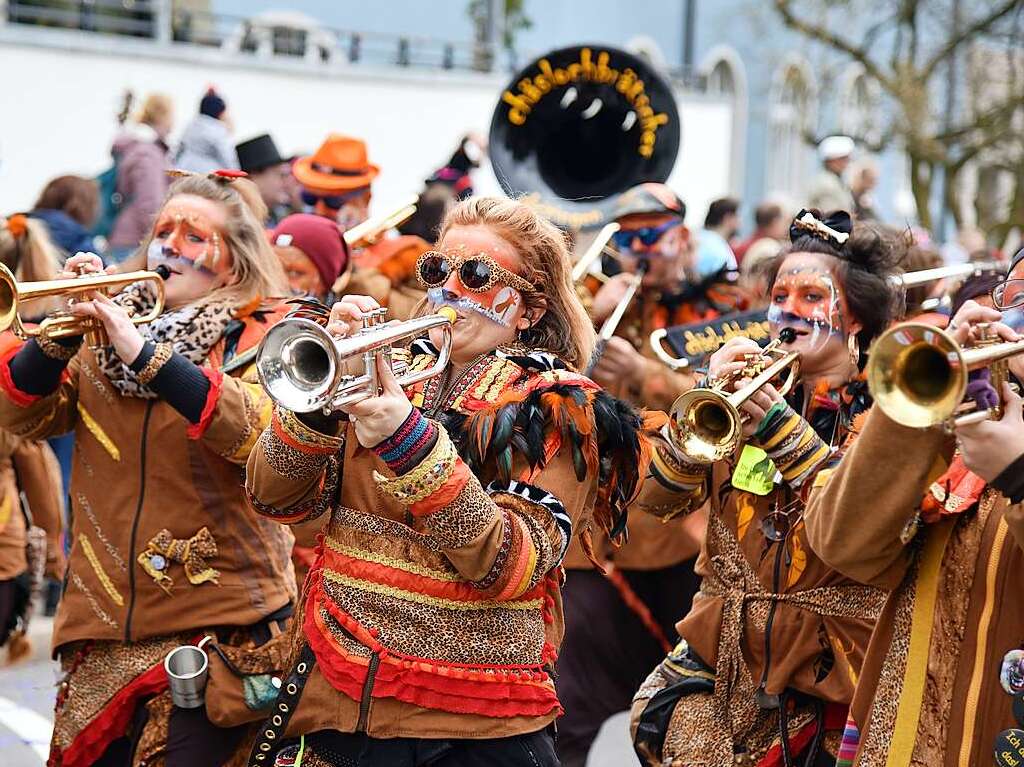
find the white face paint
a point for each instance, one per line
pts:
(501, 312)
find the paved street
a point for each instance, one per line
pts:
(26, 712)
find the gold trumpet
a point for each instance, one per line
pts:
(371, 230)
(304, 368)
(63, 324)
(706, 423)
(918, 374)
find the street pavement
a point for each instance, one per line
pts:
(27, 691)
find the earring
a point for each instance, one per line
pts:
(216, 249)
(854, 346)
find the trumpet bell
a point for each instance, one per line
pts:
(705, 425)
(296, 365)
(917, 374)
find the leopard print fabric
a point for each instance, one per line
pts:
(192, 330)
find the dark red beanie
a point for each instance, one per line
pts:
(319, 238)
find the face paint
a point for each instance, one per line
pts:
(500, 308)
(806, 298)
(182, 234)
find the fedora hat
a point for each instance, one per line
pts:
(339, 165)
(258, 153)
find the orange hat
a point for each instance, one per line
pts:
(339, 165)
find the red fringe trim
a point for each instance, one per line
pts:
(494, 691)
(835, 719)
(216, 379)
(112, 722)
(383, 575)
(16, 395)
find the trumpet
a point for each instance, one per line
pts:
(303, 367)
(706, 423)
(371, 230)
(63, 324)
(918, 374)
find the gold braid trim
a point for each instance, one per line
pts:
(101, 574)
(158, 360)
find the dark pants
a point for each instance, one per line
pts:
(535, 749)
(607, 652)
(192, 741)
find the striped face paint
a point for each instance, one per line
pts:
(807, 297)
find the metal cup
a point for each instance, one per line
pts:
(187, 668)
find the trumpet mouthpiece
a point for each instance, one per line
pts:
(447, 311)
(787, 335)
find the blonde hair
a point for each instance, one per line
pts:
(31, 256)
(257, 271)
(156, 108)
(564, 329)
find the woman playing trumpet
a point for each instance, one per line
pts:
(432, 616)
(945, 535)
(771, 649)
(163, 548)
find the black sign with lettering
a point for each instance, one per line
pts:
(1009, 748)
(698, 340)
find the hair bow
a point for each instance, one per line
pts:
(17, 225)
(835, 230)
(222, 175)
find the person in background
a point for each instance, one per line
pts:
(27, 468)
(755, 271)
(269, 171)
(206, 144)
(863, 180)
(140, 155)
(312, 252)
(829, 190)
(68, 206)
(770, 222)
(720, 225)
(336, 180)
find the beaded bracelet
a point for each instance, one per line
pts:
(401, 432)
(398, 451)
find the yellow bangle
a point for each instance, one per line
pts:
(427, 478)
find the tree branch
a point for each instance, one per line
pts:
(823, 35)
(979, 26)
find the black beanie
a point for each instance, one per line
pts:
(212, 105)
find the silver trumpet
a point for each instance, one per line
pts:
(304, 368)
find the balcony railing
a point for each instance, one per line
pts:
(269, 35)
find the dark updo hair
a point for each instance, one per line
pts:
(866, 265)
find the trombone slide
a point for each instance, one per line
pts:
(593, 253)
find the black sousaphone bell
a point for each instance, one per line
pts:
(579, 126)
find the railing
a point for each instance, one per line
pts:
(270, 35)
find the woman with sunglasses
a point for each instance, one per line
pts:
(771, 649)
(943, 678)
(432, 617)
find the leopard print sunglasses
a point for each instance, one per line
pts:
(478, 273)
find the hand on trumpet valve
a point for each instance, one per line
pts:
(732, 359)
(966, 325)
(122, 333)
(347, 315)
(988, 447)
(82, 264)
(377, 418)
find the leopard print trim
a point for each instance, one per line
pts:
(161, 355)
(309, 509)
(463, 520)
(56, 350)
(288, 461)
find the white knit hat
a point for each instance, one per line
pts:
(834, 147)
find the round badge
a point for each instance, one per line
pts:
(158, 562)
(1009, 748)
(1011, 675)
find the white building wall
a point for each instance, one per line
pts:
(62, 90)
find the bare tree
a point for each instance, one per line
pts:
(909, 49)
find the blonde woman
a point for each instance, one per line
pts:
(164, 550)
(433, 614)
